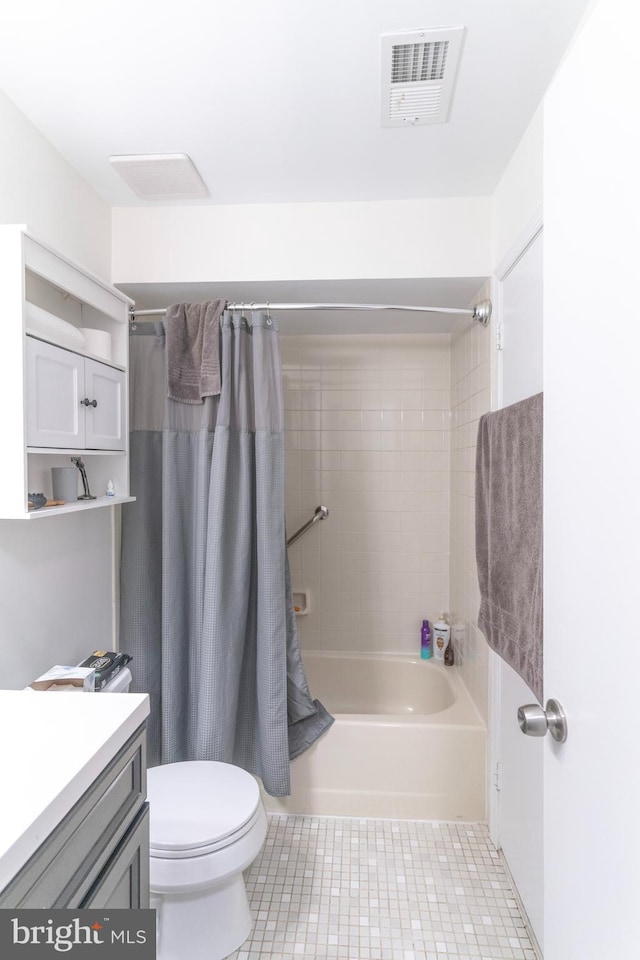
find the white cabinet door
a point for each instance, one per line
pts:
(72, 402)
(55, 387)
(105, 422)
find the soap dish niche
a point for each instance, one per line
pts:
(301, 601)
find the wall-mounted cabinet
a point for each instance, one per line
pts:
(73, 402)
(58, 398)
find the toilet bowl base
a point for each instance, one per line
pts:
(202, 925)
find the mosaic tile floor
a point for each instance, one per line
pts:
(342, 889)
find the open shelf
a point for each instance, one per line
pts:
(78, 506)
(64, 452)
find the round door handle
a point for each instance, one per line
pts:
(88, 403)
(534, 721)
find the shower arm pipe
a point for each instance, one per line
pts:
(321, 514)
(481, 312)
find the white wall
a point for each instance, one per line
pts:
(303, 241)
(518, 196)
(38, 187)
(55, 593)
(55, 574)
(367, 434)
(470, 398)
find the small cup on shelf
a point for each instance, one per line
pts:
(64, 481)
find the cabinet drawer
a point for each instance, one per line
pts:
(69, 861)
(124, 881)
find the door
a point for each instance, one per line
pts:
(104, 388)
(520, 796)
(592, 491)
(55, 385)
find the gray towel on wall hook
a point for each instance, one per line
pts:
(509, 535)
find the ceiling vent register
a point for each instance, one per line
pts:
(418, 75)
(160, 176)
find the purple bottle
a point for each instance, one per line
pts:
(425, 640)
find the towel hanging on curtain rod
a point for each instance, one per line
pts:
(481, 312)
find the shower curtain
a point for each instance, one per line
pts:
(206, 607)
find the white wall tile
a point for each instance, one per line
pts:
(367, 433)
(331, 400)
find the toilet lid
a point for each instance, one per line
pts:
(197, 803)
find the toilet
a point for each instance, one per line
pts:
(207, 825)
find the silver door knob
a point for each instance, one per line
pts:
(534, 721)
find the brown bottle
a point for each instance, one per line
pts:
(448, 655)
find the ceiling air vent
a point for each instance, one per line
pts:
(160, 176)
(418, 75)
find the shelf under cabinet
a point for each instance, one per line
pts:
(67, 452)
(79, 505)
(35, 335)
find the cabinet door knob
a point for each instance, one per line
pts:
(88, 403)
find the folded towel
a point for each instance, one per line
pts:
(52, 328)
(193, 350)
(509, 535)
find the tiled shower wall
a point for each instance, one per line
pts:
(367, 434)
(470, 398)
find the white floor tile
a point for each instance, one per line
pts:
(346, 889)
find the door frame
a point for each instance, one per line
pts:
(515, 253)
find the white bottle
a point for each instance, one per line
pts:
(441, 637)
(111, 490)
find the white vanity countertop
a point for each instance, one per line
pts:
(52, 747)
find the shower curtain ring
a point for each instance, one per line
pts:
(268, 316)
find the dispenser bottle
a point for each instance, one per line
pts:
(441, 637)
(458, 635)
(425, 640)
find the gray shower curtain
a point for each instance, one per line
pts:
(206, 609)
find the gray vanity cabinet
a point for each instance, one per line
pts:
(98, 855)
(124, 881)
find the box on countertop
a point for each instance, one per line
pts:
(107, 665)
(59, 678)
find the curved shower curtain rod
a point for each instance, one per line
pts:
(481, 312)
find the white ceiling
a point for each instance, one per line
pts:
(277, 101)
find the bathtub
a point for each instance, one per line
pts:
(407, 742)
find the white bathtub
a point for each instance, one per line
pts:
(408, 742)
